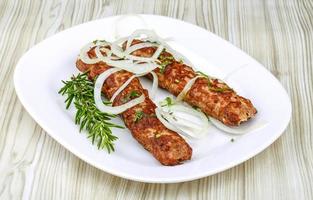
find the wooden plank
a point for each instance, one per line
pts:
(279, 34)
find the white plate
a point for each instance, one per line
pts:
(38, 78)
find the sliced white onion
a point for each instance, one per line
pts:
(158, 113)
(119, 23)
(129, 66)
(152, 36)
(178, 55)
(187, 87)
(120, 41)
(178, 127)
(98, 98)
(186, 123)
(149, 33)
(154, 85)
(242, 129)
(83, 55)
(119, 53)
(170, 117)
(158, 52)
(153, 89)
(117, 50)
(99, 55)
(180, 123)
(135, 47)
(191, 111)
(140, 46)
(117, 92)
(139, 58)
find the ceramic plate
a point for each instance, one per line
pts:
(38, 76)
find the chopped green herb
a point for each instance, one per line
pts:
(163, 65)
(199, 73)
(95, 41)
(168, 57)
(162, 69)
(209, 83)
(218, 89)
(165, 61)
(171, 113)
(195, 107)
(153, 42)
(134, 94)
(131, 95)
(138, 116)
(168, 101)
(211, 87)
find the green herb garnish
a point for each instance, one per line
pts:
(95, 41)
(219, 89)
(168, 101)
(163, 65)
(196, 107)
(152, 42)
(134, 94)
(210, 85)
(165, 61)
(131, 95)
(205, 76)
(138, 116)
(79, 91)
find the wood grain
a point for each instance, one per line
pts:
(278, 33)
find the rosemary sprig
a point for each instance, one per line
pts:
(79, 91)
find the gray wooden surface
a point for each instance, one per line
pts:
(279, 34)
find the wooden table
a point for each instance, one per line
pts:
(279, 34)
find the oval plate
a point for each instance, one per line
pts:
(38, 76)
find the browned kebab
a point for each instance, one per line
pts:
(168, 147)
(214, 97)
